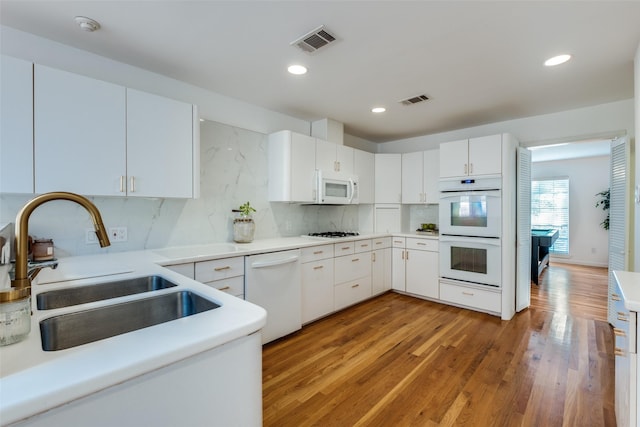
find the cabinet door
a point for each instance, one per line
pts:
(364, 167)
(317, 289)
(388, 178)
(381, 270)
(79, 139)
(412, 179)
(16, 125)
(454, 156)
(398, 269)
(160, 146)
(422, 273)
(326, 158)
(303, 172)
(485, 155)
(344, 159)
(430, 174)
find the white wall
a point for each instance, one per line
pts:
(612, 119)
(636, 240)
(588, 241)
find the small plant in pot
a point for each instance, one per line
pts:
(243, 226)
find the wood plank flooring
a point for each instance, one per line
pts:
(402, 361)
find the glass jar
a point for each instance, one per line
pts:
(243, 230)
(15, 315)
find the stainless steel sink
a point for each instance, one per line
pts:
(82, 327)
(100, 291)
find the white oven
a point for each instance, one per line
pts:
(471, 259)
(471, 207)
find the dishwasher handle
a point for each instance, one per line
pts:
(280, 261)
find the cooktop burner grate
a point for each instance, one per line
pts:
(334, 234)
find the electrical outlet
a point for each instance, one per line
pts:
(117, 234)
(90, 237)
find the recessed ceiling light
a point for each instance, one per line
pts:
(557, 60)
(378, 110)
(297, 69)
(87, 24)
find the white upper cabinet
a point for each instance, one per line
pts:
(97, 138)
(291, 162)
(80, 133)
(388, 178)
(420, 173)
(334, 160)
(472, 157)
(364, 168)
(16, 125)
(412, 164)
(160, 147)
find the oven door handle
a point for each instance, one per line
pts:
(470, 240)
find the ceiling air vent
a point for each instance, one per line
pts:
(414, 100)
(314, 40)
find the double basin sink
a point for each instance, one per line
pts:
(81, 327)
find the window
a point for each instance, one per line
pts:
(550, 209)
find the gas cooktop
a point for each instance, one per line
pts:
(334, 234)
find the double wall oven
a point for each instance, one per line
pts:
(471, 231)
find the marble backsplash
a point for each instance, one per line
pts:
(233, 171)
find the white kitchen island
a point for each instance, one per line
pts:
(205, 369)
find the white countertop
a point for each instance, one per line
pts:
(33, 381)
(629, 282)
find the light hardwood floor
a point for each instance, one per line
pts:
(402, 361)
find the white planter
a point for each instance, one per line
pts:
(243, 230)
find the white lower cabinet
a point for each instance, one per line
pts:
(626, 363)
(186, 269)
(352, 279)
(415, 266)
(226, 275)
(317, 282)
(381, 265)
(471, 297)
(353, 292)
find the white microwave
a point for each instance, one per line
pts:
(337, 191)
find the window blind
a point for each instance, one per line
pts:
(550, 209)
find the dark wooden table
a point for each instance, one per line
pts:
(541, 240)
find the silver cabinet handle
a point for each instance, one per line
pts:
(122, 178)
(373, 256)
(355, 260)
(318, 267)
(132, 184)
(470, 168)
(356, 285)
(226, 267)
(465, 169)
(226, 288)
(318, 252)
(468, 293)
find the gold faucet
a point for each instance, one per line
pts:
(22, 281)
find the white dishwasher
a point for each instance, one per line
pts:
(273, 281)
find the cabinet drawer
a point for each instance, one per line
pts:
(471, 297)
(208, 271)
(351, 267)
(352, 292)
(363, 246)
(343, 248)
(315, 253)
(381, 243)
(422, 244)
(233, 285)
(186, 270)
(398, 242)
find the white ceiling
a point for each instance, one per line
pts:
(479, 62)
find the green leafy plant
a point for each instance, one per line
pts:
(246, 209)
(604, 202)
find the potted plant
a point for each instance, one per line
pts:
(243, 226)
(604, 202)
